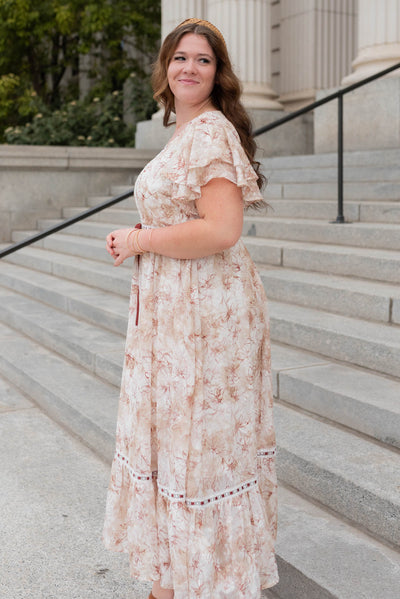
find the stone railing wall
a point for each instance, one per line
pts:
(38, 181)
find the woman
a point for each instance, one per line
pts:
(192, 497)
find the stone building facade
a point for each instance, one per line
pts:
(290, 52)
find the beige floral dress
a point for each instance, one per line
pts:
(192, 496)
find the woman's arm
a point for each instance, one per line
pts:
(219, 227)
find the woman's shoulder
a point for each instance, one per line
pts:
(212, 132)
(212, 120)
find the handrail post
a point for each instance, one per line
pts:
(340, 215)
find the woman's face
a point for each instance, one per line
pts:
(191, 72)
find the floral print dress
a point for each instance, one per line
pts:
(192, 496)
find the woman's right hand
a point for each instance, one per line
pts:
(117, 247)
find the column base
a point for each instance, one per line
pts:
(260, 97)
(372, 60)
(296, 100)
(371, 119)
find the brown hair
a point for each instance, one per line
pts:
(227, 88)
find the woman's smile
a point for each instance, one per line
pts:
(188, 81)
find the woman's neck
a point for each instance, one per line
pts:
(184, 114)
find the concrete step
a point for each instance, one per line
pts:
(371, 345)
(118, 189)
(121, 216)
(81, 246)
(341, 295)
(325, 210)
(93, 201)
(378, 212)
(351, 191)
(370, 235)
(353, 397)
(74, 268)
(323, 174)
(115, 190)
(371, 158)
(84, 228)
(82, 403)
(102, 307)
(322, 557)
(95, 349)
(379, 265)
(350, 475)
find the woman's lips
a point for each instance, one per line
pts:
(188, 81)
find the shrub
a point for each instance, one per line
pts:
(92, 122)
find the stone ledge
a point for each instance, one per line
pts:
(69, 157)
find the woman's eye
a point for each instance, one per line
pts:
(204, 60)
(179, 58)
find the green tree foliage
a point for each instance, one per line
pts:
(41, 48)
(77, 123)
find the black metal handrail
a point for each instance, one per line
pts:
(340, 217)
(66, 223)
(339, 95)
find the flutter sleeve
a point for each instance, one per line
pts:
(211, 149)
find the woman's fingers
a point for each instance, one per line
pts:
(116, 246)
(120, 258)
(109, 244)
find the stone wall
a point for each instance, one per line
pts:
(371, 118)
(38, 181)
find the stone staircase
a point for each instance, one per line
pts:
(334, 298)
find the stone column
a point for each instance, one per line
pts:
(371, 113)
(174, 12)
(378, 38)
(246, 26)
(317, 44)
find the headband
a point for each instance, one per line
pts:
(204, 24)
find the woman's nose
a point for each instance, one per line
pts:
(190, 66)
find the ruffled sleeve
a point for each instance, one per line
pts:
(210, 148)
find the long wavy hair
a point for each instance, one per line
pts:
(227, 87)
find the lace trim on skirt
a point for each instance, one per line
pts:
(197, 501)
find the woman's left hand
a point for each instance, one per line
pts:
(116, 246)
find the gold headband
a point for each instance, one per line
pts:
(204, 24)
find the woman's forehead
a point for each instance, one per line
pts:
(194, 43)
